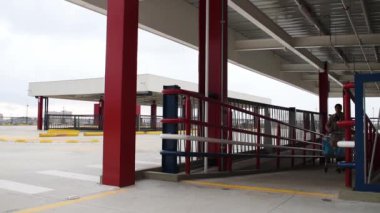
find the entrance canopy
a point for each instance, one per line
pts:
(289, 40)
(149, 89)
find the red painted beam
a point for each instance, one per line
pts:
(39, 112)
(324, 88)
(120, 93)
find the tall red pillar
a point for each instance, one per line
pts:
(213, 58)
(120, 93)
(39, 112)
(153, 115)
(324, 88)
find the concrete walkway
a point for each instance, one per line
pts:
(62, 177)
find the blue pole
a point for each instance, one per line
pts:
(170, 111)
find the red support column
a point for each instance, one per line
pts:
(347, 117)
(39, 113)
(216, 63)
(120, 93)
(153, 115)
(324, 88)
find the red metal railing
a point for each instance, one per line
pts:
(240, 134)
(370, 132)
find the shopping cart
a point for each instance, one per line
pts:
(330, 153)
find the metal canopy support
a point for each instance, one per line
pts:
(360, 169)
(213, 62)
(324, 88)
(46, 113)
(120, 93)
(153, 115)
(39, 112)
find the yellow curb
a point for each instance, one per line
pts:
(63, 131)
(45, 141)
(94, 141)
(93, 134)
(140, 133)
(4, 139)
(21, 141)
(153, 132)
(72, 141)
(58, 134)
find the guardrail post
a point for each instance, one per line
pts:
(314, 139)
(229, 125)
(258, 142)
(188, 133)
(170, 111)
(267, 130)
(293, 145)
(278, 142)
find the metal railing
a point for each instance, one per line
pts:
(91, 122)
(239, 131)
(80, 122)
(147, 122)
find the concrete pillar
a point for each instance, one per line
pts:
(120, 93)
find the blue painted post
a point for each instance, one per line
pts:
(170, 111)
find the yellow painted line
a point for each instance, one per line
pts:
(72, 141)
(58, 134)
(93, 134)
(21, 140)
(69, 202)
(94, 141)
(153, 132)
(140, 133)
(261, 189)
(45, 141)
(4, 139)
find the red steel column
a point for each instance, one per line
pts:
(217, 76)
(120, 93)
(348, 133)
(202, 46)
(324, 88)
(39, 113)
(153, 115)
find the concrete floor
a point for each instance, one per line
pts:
(62, 177)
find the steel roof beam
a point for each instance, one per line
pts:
(253, 14)
(366, 19)
(332, 67)
(309, 42)
(311, 18)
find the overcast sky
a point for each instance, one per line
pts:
(43, 40)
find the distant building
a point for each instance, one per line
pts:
(1, 118)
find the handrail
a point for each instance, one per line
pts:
(243, 135)
(196, 95)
